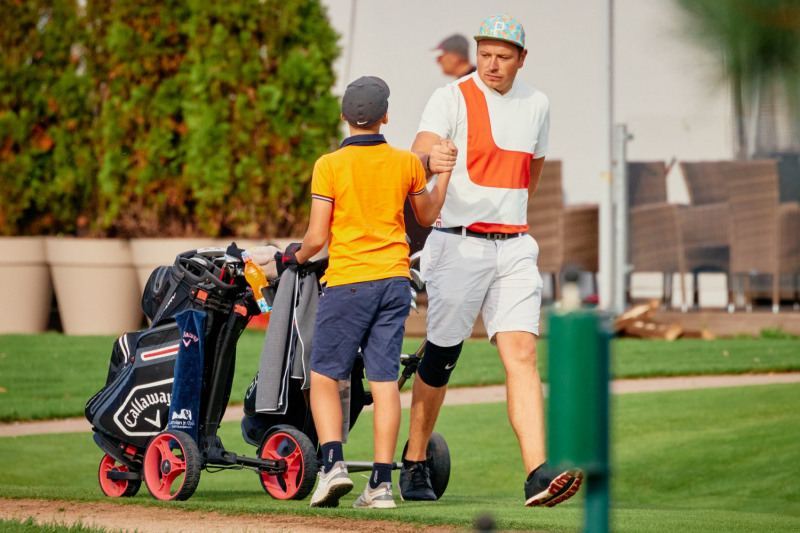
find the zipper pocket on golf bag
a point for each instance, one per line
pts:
(99, 398)
(135, 405)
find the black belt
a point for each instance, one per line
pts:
(459, 230)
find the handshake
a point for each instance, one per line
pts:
(270, 258)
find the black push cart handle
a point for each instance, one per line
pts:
(411, 362)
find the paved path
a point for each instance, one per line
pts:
(462, 396)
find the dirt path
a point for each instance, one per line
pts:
(155, 520)
(462, 396)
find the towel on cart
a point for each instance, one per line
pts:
(184, 407)
(287, 346)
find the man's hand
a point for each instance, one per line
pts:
(288, 259)
(234, 251)
(443, 156)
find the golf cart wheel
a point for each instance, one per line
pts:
(116, 488)
(438, 457)
(172, 466)
(302, 465)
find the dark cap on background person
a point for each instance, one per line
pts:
(365, 101)
(457, 44)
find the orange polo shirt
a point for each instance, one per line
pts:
(368, 182)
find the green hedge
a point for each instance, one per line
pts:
(47, 168)
(163, 117)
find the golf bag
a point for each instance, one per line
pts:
(134, 404)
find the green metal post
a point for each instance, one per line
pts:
(578, 372)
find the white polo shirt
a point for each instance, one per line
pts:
(497, 136)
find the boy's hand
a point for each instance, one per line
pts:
(288, 259)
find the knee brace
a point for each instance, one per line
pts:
(437, 363)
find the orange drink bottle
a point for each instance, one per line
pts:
(254, 275)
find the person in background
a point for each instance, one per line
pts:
(452, 55)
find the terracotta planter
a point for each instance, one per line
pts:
(25, 287)
(147, 254)
(95, 285)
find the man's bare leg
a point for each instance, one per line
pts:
(426, 402)
(524, 388)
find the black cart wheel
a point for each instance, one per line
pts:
(172, 466)
(438, 457)
(302, 465)
(116, 488)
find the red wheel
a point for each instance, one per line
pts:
(171, 466)
(116, 488)
(302, 466)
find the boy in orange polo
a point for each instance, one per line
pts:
(358, 194)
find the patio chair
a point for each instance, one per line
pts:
(581, 232)
(545, 208)
(706, 222)
(704, 182)
(655, 244)
(647, 183)
(764, 234)
(567, 235)
(655, 239)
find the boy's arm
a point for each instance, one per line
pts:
(427, 206)
(319, 227)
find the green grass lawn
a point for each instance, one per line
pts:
(716, 460)
(53, 375)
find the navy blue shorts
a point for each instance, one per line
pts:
(370, 315)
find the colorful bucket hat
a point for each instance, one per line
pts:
(502, 28)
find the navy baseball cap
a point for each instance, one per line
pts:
(365, 101)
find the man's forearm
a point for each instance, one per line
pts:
(537, 165)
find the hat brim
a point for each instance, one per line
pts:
(480, 38)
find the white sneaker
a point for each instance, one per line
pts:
(332, 486)
(377, 498)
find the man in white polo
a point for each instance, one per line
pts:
(479, 258)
